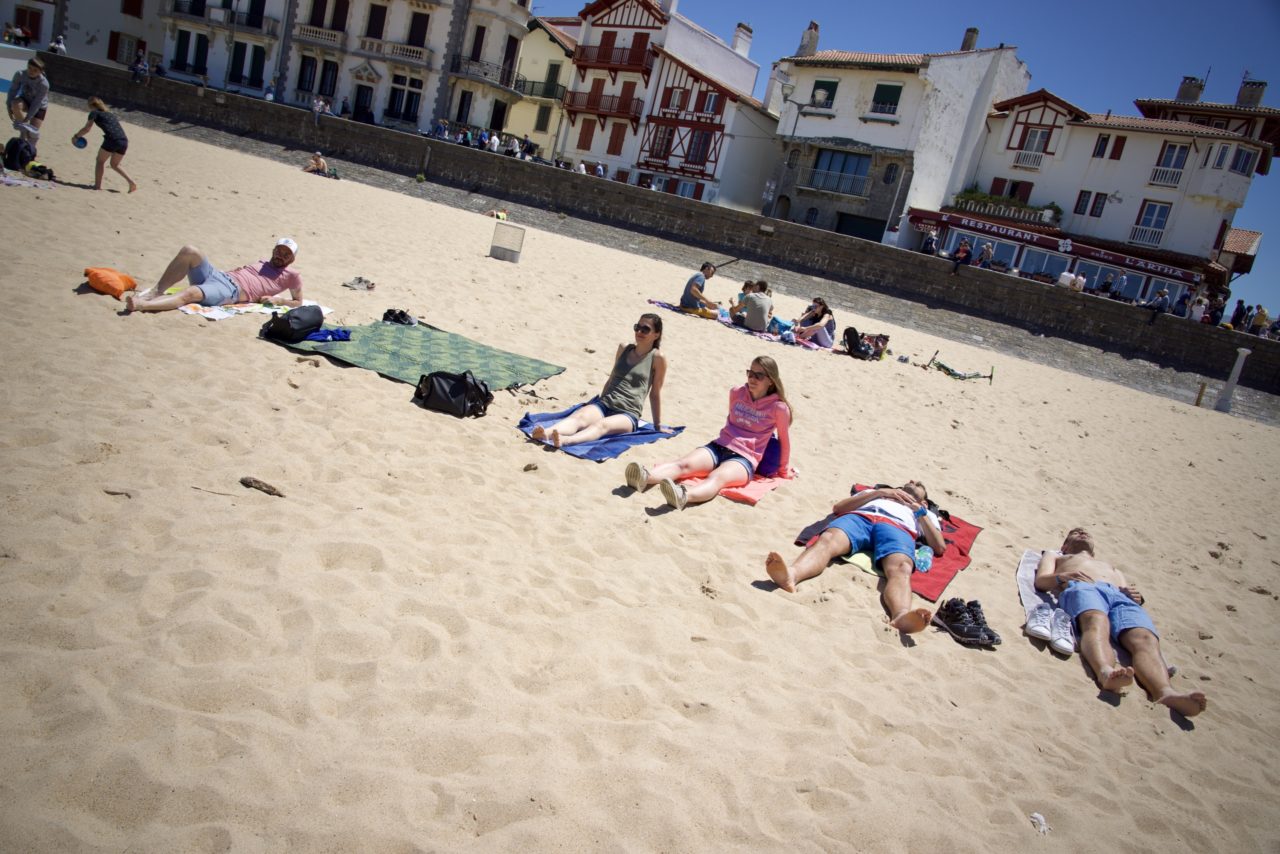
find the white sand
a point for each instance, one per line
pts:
(423, 647)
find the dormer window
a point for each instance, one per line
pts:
(1036, 139)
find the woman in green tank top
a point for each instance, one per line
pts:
(638, 372)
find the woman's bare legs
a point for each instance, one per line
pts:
(697, 461)
(115, 164)
(585, 425)
(103, 154)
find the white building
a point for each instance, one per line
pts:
(661, 102)
(866, 135)
(236, 45)
(1153, 198)
(546, 63)
(96, 30)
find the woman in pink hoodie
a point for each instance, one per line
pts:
(757, 410)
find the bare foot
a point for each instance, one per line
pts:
(1115, 678)
(910, 622)
(777, 569)
(555, 438)
(538, 434)
(133, 188)
(1190, 704)
(129, 307)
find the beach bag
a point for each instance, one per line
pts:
(294, 325)
(770, 458)
(105, 280)
(856, 347)
(18, 153)
(459, 395)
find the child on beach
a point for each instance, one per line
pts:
(756, 411)
(638, 372)
(114, 142)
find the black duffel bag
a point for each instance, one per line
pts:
(294, 325)
(459, 395)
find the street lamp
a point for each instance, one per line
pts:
(789, 89)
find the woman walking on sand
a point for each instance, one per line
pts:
(114, 141)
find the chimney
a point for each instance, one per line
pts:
(970, 39)
(1251, 93)
(742, 40)
(809, 41)
(1190, 89)
(669, 6)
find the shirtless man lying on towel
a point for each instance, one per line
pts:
(887, 521)
(1106, 608)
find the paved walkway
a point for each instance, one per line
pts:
(1069, 356)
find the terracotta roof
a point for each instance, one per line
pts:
(845, 57)
(1242, 241)
(1136, 123)
(1142, 103)
(1035, 97)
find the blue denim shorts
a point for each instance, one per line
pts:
(881, 537)
(1122, 612)
(216, 285)
(607, 411)
(720, 454)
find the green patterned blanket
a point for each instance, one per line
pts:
(406, 353)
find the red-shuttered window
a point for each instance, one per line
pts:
(586, 134)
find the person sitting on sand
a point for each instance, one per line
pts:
(755, 309)
(694, 299)
(260, 282)
(1105, 608)
(497, 213)
(886, 521)
(114, 142)
(638, 372)
(817, 324)
(317, 165)
(756, 410)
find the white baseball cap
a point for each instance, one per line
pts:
(288, 243)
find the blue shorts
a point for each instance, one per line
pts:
(881, 537)
(720, 454)
(607, 411)
(1122, 612)
(216, 285)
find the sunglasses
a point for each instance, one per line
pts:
(642, 329)
(756, 375)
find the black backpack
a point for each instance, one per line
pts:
(18, 153)
(856, 347)
(294, 325)
(459, 395)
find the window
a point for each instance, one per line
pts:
(477, 44)
(710, 102)
(1223, 151)
(1036, 139)
(543, 121)
(687, 189)
(660, 145)
(181, 50)
(840, 172)
(418, 29)
(842, 162)
(617, 136)
(307, 74)
(885, 99)
(1099, 202)
(465, 99)
(235, 73)
(1020, 190)
(122, 47)
(131, 7)
(1118, 148)
(1173, 155)
(328, 78)
(811, 216)
(586, 134)
(404, 100)
(1244, 161)
(1040, 261)
(699, 147)
(1004, 253)
(377, 21)
(1082, 202)
(793, 157)
(674, 98)
(1154, 215)
(1100, 147)
(824, 93)
(1208, 153)
(891, 173)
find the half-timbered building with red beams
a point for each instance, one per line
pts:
(641, 105)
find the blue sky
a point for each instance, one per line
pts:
(1098, 55)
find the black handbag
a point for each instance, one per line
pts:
(459, 395)
(294, 325)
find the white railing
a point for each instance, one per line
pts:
(884, 109)
(1146, 236)
(1021, 214)
(374, 46)
(1162, 177)
(321, 35)
(408, 52)
(1028, 159)
(836, 182)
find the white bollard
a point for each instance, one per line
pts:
(1224, 396)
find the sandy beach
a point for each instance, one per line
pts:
(425, 647)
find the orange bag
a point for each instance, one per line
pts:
(105, 280)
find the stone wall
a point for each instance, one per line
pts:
(1052, 311)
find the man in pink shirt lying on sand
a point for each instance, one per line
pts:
(260, 282)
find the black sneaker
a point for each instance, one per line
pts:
(954, 616)
(980, 620)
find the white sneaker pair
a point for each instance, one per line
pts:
(1051, 624)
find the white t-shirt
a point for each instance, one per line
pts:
(898, 512)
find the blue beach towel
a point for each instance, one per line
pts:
(602, 449)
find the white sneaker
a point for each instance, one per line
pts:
(677, 496)
(1064, 637)
(1039, 624)
(637, 477)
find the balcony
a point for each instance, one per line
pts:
(604, 105)
(836, 182)
(1028, 160)
(1017, 213)
(243, 22)
(395, 51)
(885, 109)
(614, 59)
(486, 72)
(186, 10)
(321, 36)
(1162, 177)
(1146, 236)
(539, 89)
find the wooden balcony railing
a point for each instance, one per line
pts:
(617, 58)
(604, 105)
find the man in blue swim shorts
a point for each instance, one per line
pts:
(887, 521)
(1107, 608)
(261, 282)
